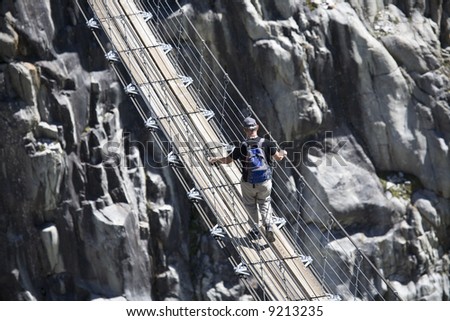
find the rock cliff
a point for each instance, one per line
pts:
(360, 87)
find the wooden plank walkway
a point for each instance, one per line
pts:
(276, 266)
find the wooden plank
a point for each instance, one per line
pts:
(307, 281)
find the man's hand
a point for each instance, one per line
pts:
(279, 155)
(212, 160)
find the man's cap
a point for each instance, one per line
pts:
(249, 123)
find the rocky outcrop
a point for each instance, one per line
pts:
(70, 224)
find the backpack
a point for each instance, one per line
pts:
(257, 167)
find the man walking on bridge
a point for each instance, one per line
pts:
(255, 154)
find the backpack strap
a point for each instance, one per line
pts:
(260, 142)
(257, 142)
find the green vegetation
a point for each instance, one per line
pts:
(399, 184)
(41, 147)
(311, 6)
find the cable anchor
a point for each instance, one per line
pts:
(306, 260)
(174, 160)
(217, 232)
(112, 56)
(186, 80)
(279, 221)
(166, 48)
(194, 195)
(93, 23)
(334, 297)
(151, 124)
(146, 15)
(209, 114)
(242, 270)
(131, 89)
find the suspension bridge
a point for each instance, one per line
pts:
(182, 94)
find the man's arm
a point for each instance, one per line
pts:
(221, 160)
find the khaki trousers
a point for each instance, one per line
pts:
(256, 198)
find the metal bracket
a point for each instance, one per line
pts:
(242, 270)
(151, 124)
(93, 23)
(334, 297)
(209, 114)
(131, 89)
(186, 80)
(146, 15)
(166, 48)
(174, 160)
(194, 195)
(306, 260)
(217, 232)
(112, 56)
(279, 221)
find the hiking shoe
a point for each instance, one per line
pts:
(254, 234)
(269, 233)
